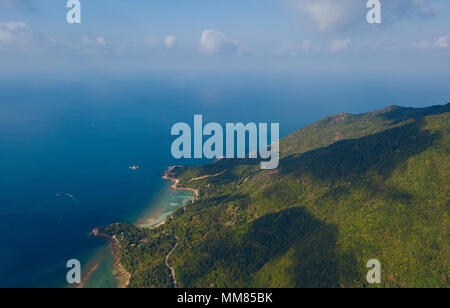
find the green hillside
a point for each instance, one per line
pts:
(348, 189)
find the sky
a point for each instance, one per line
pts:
(225, 35)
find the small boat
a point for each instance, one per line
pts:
(134, 168)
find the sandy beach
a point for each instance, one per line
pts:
(176, 181)
(153, 219)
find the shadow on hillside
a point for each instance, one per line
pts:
(303, 247)
(291, 247)
(382, 152)
(285, 249)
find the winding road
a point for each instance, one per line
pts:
(167, 177)
(172, 270)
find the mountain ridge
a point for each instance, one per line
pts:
(349, 188)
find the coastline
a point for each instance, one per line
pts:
(176, 181)
(115, 249)
(147, 222)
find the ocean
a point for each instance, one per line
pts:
(66, 146)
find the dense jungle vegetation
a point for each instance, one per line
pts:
(348, 189)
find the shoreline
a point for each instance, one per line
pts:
(114, 246)
(176, 181)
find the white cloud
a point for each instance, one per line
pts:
(214, 42)
(329, 15)
(337, 15)
(293, 49)
(423, 44)
(13, 33)
(101, 40)
(94, 42)
(306, 45)
(18, 36)
(151, 42)
(13, 25)
(443, 42)
(122, 49)
(16, 4)
(5, 35)
(439, 43)
(339, 44)
(169, 41)
(422, 8)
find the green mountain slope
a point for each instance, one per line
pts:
(349, 188)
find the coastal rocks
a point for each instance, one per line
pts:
(114, 244)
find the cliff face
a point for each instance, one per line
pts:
(349, 188)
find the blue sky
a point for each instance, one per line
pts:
(297, 35)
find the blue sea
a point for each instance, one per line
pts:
(66, 144)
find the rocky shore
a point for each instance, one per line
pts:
(115, 248)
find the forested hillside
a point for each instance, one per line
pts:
(348, 189)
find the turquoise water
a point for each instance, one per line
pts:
(164, 203)
(99, 269)
(66, 148)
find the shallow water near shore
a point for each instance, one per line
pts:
(101, 272)
(165, 202)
